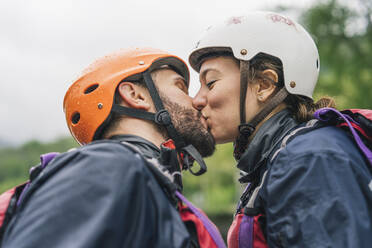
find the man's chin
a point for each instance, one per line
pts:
(189, 126)
(206, 145)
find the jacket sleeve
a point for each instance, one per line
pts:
(99, 198)
(315, 200)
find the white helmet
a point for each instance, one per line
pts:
(269, 33)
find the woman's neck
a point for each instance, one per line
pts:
(277, 109)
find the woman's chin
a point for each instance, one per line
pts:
(222, 139)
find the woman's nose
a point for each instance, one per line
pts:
(199, 101)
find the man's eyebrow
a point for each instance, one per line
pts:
(179, 77)
(204, 73)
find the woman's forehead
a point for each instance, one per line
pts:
(218, 64)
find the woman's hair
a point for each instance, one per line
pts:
(302, 107)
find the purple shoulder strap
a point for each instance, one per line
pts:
(212, 230)
(322, 116)
(44, 161)
(47, 157)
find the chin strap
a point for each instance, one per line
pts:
(183, 160)
(191, 155)
(162, 117)
(247, 129)
(244, 79)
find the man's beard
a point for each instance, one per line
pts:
(188, 125)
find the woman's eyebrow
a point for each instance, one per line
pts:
(204, 73)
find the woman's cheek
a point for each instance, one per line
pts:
(215, 100)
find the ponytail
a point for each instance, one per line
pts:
(303, 108)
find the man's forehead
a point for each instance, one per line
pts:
(175, 75)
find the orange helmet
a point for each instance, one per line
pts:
(89, 101)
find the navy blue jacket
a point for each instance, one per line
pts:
(318, 188)
(100, 195)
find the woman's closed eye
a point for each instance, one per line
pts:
(210, 84)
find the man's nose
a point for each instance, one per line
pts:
(199, 101)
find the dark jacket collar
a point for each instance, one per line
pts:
(148, 149)
(166, 156)
(264, 142)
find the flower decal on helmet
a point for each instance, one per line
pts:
(235, 20)
(282, 19)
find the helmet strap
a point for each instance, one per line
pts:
(162, 117)
(244, 78)
(191, 155)
(247, 129)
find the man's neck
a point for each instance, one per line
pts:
(141, 128)
(147, 148)
(148, 131)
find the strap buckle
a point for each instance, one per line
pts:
(246, 129)
(191, 155)
(162, 117)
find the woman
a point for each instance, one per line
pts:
(308, 184)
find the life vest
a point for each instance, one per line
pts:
(207, 232)
(8, 204)
(248, 227)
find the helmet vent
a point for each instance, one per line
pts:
(91, 88)
(317, 64)
(75, 118)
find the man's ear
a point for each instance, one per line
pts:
(134, 96)
(266, 84)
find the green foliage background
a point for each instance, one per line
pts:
(16, 162)
(344, 39)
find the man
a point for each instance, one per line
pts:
(121, 190)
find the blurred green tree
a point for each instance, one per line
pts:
(16, 162)
(344, 39)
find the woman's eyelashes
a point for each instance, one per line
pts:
(210, 84)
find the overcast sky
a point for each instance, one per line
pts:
(44, 45)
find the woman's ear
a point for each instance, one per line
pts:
(134, 96)
(266, 84)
